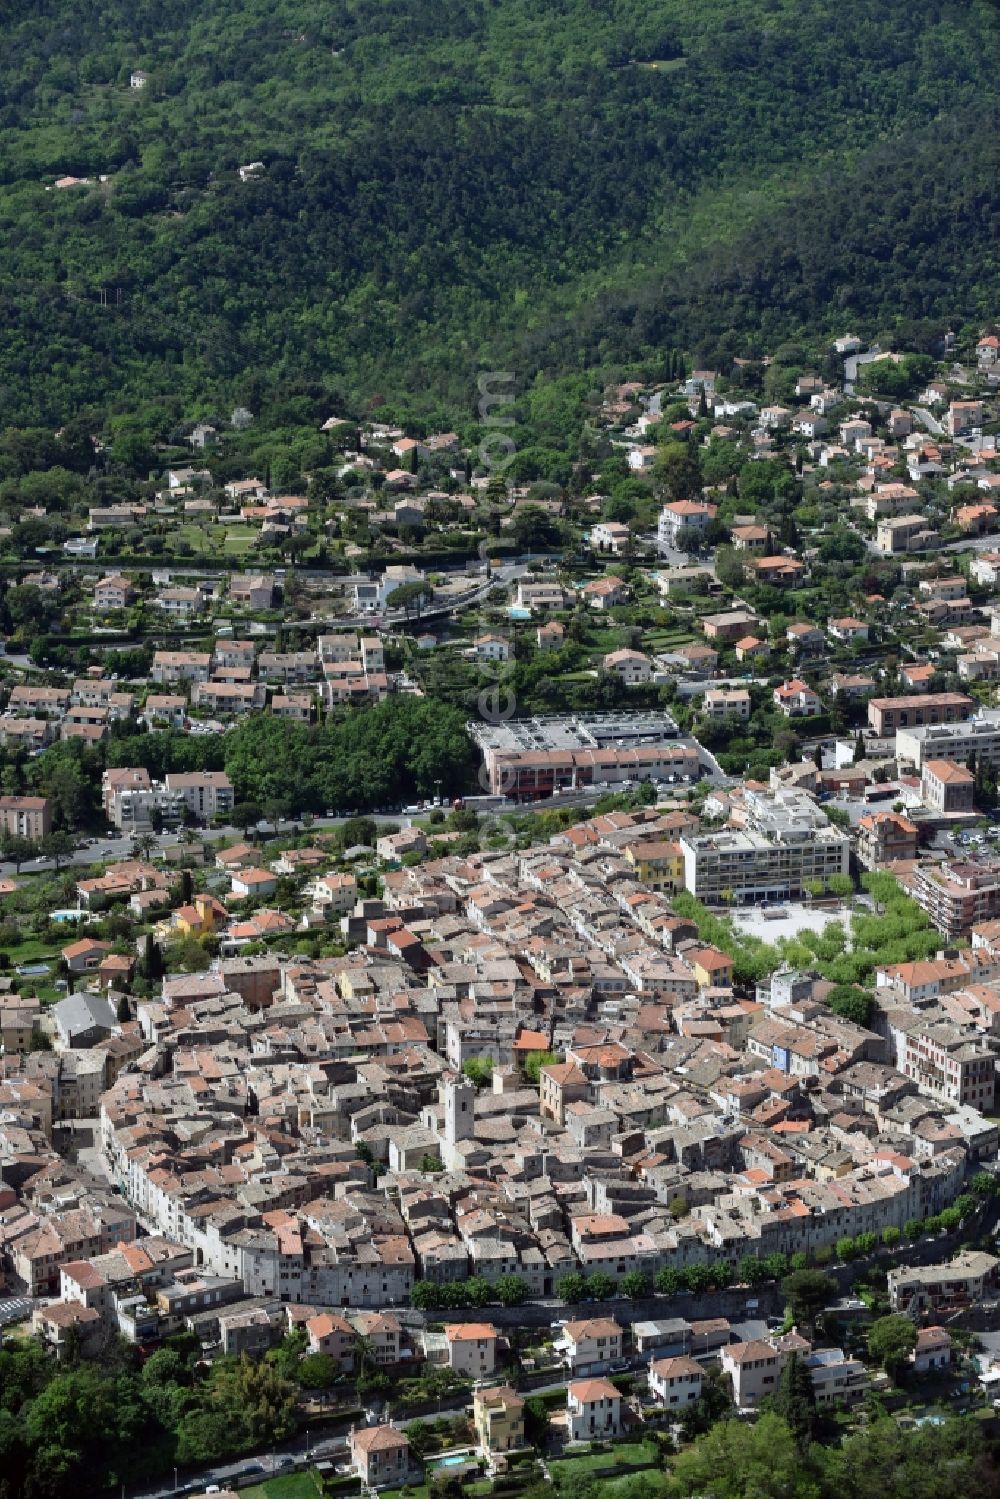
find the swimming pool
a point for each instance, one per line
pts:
(454, 1461)
(66, 915)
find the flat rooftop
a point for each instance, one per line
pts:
(579, 731)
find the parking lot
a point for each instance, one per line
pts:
(15, 1309)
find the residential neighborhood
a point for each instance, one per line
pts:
(512, 944)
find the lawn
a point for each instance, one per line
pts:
(195, 537)
(239, 539)
(604, 640)
(287, 1486)
(31, 950)
(662, 640)
(623, 1454)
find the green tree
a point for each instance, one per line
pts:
(600, 1286)
(152, 960)
(479, 1070)
(571, 1288)
(536, 1421)
(929, 1462)
(795, 1399)
(534, 1063)
(317, 1371)
(407, 595)
(635, 1285)
(511, 1290)
(852, 1003)
(535, 530)
(699, 1278)
(807, 1292)
(751, 1271)
(678, 469)
(668, 1281)
(735, 1460)
(891, 1340)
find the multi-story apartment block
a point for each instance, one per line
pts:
(113, 592)
(26, 817)
(887, 715)
(957, 896)
(591, 1343)
(594, 1410)
(30, 698)
(721, 702)
(754, 1368)
(956, 1284)
(904, 533)
(255, 590)
(499, 1419)
(963, 417)
(884, 837)
(206, 793)
(472, 1348)
(229, 697)
(786, 841)
(180, 666)
(946, 1063)
(659, 864)
(836, 1379)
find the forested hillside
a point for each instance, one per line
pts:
(538, 184)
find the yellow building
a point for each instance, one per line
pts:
(499, 1418)
(200, 918)
(711, 968)
(658, 864)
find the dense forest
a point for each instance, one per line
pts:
(469, 183)
(400, 750)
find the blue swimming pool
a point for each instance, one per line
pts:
(454, 1461)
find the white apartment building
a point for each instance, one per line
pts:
(472, 1348)
(206, 793)
(786, 841)
(675, 1381)
(590, 1343)
(836, 1379)
(979, 736)
(754, 1368)
(722, 702)
(594, 1410)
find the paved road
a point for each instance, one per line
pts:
(285, 1456)
(854, 362)
(311, 1447)
(928, 420)
(100, 850)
